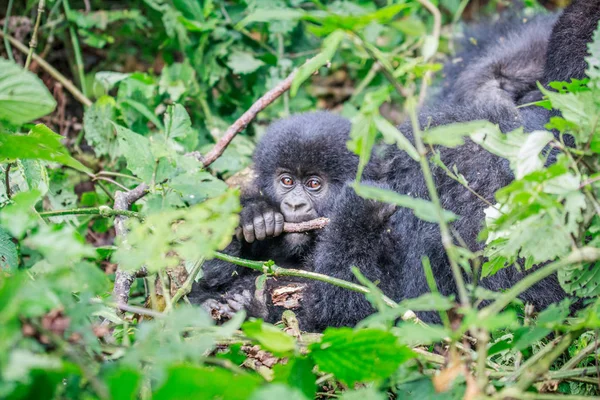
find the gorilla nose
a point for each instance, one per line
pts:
(295, 205)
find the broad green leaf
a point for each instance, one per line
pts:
(523, 150)
(242, 62)
(392, 135)
(99, 129)
(269, 337)
(196, 186)
(453, 135)
(41, 144)
(19, 216)
(270, 15)
(23, 96)
(59, 246)
(359, 355)
(136, 150)
(123, 383)
(178, 126)
(423, 389)
(9, 258)
(176, 80)
(430, 46)
(330, 45)
(187, 381)
(413, 334)
(423, 209)
(593, 61)
(277, 391)
(165, 238)
(368, 393)
(298, 373)
(362, 140)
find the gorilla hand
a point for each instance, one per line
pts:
(259, 220)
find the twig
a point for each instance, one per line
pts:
(275, 270)
(5, 31)
(106, 179)
(187, 285)
(76, 48)
(296, 227)
(33, 41)
(246, 118)
(7, 180)
(583, 353)
(104, 211)
(51, 70)
(139, 310)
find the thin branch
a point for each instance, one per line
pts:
(33, 41)
(5, 31)
(274, 270)
(51, 70)
(296, 227)
(76, 48)
(106, 179)
(104, 211)
(7, 180)
(187, 285)
(245, 119)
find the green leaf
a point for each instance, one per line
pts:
(453, 135)
(330, 45)
(98, 127)
(176, 80)
(413, 334)
(362, 140)
(298, 373)
(123, 383)
(270, 15)
(593, 61)
(359, 356)
(186, 381)
(368, 393)
(242, 62)
(9, 258)
(392, 135)
(430, 46)
(523, 150)
(423, 209)
(269, 337)
(59, 246)
(136, 150)
(178, 126)
(277, 391)
(19, 216)
(23, 96)
(167, 237)
(41, 144)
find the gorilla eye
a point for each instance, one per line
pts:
(287, 181)
(313, 184)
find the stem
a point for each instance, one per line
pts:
(76, 48)
(5, 31)
(7, 180)
(187, 285)
(531, 374)
(51, 70)
(104, 211)
(445, 232)
(573, 362)
(33, 41)
(110, 173)
(584, 254)
(274, 270)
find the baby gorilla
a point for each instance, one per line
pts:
(301, 166)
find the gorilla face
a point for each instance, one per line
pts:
(301, 197)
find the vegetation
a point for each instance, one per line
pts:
(139, 90)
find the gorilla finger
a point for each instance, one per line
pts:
(239, 233)
(249, 233)
(269, 218)
(260, 230)
(278, 224)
